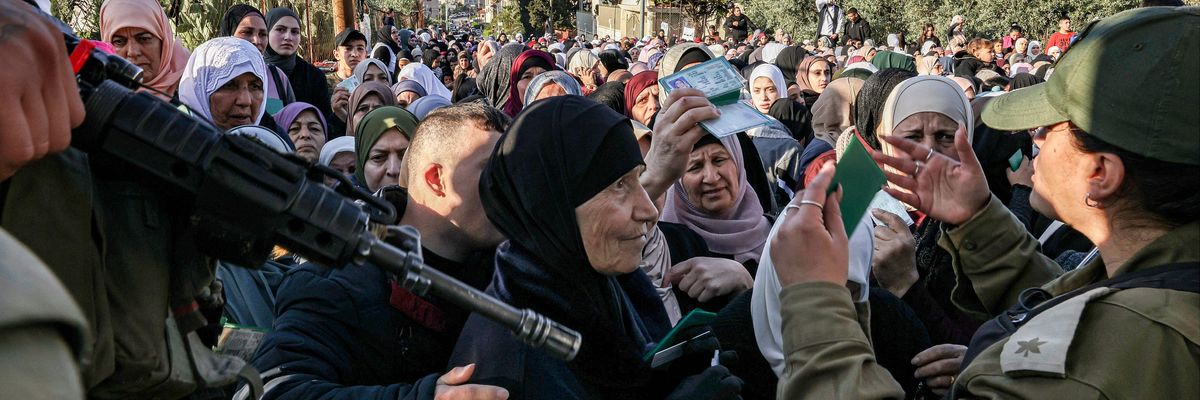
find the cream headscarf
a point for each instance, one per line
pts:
(148, 14)
(215, 63)
(925, 93)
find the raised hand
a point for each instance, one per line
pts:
(946, 189)
(811, 245)
(676, 130)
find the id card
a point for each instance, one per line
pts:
(349, 84)
(715, 78)
(722, 85)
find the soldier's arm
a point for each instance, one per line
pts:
(827, 353)
(995, 258)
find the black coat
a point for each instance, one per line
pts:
(859, 30)
(743, 28)
(308, 83)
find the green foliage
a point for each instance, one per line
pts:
(508, 19)
(985, 18)
(536, 13)
(700, 11)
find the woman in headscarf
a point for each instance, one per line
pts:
(787, 61)
(611, 62)
(550, 84)
(930, 110)
(1023, 80)
(928, 65)
(407, 92)
(305, 126)
(575, 233)
(1034, 50)
(425, 105)
(493, 79)
(247, 23)
(526, 66)
(373, 70)
(383, 137)
(812, 76)
(283, 45)
(967, 85)
(224, 82)
(833, 112)
(584, 65)
(140, 33)
(423, 75)
(714, 199)
(383, 53)
(778, 150)
(641, 98)
(366, 98)
(889, 59)
(339, 155)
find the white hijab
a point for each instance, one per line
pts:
(361, 70)
(423, 75)
(771, 51)
(768, 71)
(213, 64)
(341, 144)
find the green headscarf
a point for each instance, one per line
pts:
(372, 126)
(887, 59)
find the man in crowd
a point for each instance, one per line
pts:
(354, 332)
(1062, 38)
(739, 25)
(830, 20)
(857, 29)
(351, 49)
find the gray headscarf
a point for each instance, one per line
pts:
(493, 78)
(568, 83)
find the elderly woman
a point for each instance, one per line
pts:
(493, 78)
(248, 23)
(373, 70)
(140, 32)
(366, 98)
(550, 84)
(384, 136)
(779, 151)
(408, 91)
(421, 74)
(305, 126)
(642, 98)
(576, 234)
(529, 64)
(224, 82)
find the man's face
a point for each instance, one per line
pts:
(349, 54)
(737, 11)
(1064, 25)
(852, 16)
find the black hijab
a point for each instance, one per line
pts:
(384, 35)
(612, 60)
(493, 78)
(611, 94)
(795, 117)
(1024, 80)
(787, 61)
(868, 110)
(234, 16)
(286, 63)
(559, 153)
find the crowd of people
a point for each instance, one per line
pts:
(1036, 237)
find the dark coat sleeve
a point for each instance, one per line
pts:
(328, 344)
(502, 360)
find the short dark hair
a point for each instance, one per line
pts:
(1167, 193)
(440, 133)
(1162, 3)
(852, 10)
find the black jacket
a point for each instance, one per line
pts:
(308, 83)
(859, 30)
(739, 32)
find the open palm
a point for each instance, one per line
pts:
(948, 190)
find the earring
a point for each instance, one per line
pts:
(1087, 200)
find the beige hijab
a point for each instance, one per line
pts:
(925, 93)
(833, 111)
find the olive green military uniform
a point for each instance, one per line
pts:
(1128, 344)
(42, 332)
(1137, 343)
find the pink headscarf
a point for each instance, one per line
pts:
(148, 14)
(742, 233)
